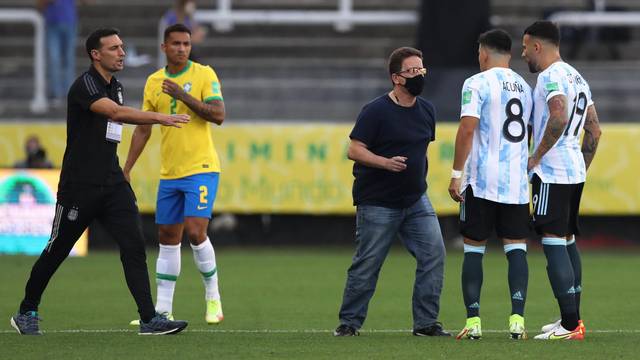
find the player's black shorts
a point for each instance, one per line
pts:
(479, 217)
(556, 207)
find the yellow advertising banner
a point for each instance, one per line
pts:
(303, 168)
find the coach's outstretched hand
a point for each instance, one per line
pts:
(173, 120)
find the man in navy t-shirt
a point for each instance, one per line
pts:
(389, 146)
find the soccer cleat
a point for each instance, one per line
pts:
(560, 333)
(214, 315)
(582, 327)
(160, 325)
(516, 327)
(472, 330)
(27, 323)
(345, 330)
(137, 321)
(434, 329)
(550, 327)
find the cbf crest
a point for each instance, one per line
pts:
(187, 87)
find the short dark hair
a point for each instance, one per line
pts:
(496, 39)
(93, 41)
(176, 28)
(545, 30)
(398, 55)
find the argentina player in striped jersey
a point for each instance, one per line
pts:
(562, 109)
(493, 191)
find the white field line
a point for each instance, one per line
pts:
(291, 331)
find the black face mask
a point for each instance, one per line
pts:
(414, 85)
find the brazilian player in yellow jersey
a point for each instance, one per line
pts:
(189, 170)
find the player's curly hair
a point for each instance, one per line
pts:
(497, 40)
(545, 30)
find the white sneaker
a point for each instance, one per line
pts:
(560, 333)
(551, 326)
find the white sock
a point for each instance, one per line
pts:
(205, 259)
(167, 271)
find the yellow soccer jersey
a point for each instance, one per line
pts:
(189, 150)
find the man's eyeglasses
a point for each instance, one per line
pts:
(414, 71)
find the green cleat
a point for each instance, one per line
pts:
(516, 327)
(213, 315)
(472, 330)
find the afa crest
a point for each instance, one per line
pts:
(73, 214)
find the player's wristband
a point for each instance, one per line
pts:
(456, 174)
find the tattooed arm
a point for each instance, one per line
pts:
(212, 111)
(558, 120)
(591, 137)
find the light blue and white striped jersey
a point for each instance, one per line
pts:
(496, 168)
(563, 163)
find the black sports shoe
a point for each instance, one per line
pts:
(27, 323)
(345, 330)
(160, 325)
(433, 330)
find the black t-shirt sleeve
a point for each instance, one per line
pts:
(433, 123)
(86, 91)
(366, 127)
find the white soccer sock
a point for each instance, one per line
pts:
(167, 271)
(205, 259)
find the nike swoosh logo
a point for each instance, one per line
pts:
(201, 207)
(556, 337)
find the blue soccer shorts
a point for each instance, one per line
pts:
(188, 196)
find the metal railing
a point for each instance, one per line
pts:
(596, 18)
(224, 18)
(39, 103)
(343, 18)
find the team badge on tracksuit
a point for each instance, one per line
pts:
(73, 214)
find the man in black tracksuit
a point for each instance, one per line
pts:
(92, 185)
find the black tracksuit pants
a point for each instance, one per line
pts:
(114, 206)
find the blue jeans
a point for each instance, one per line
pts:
(376, 229)
(61, 49)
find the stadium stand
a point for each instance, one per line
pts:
(305, 72)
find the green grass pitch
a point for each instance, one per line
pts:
(282, 303)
